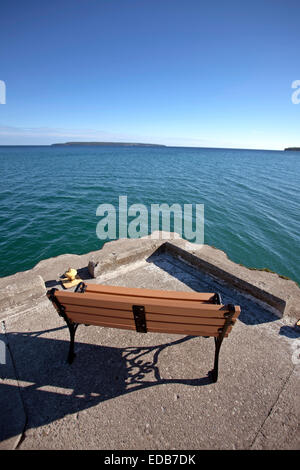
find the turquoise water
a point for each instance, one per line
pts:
(49, 197)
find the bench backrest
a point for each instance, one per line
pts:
(189, 313)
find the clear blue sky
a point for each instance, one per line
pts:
(179, 72)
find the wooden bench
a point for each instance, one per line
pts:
(146, 310)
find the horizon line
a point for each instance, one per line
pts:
(82, 143)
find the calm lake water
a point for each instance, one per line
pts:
(49, 197)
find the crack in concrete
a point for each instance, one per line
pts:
(271, 409)
(21, 436)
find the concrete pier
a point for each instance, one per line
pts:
(150, 391)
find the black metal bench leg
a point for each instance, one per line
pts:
(72, 329)
(214, 372)
(222, 332)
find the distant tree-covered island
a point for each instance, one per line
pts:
(110, 144)
(293, 148)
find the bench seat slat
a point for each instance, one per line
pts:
(123, 314)
(98, 321)
(211, 314)
(172, 329)
(151, 305)
(149, 293)
(107, 319)
(152, 326)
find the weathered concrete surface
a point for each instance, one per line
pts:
(13, 416)
(119, 253)
(135, 391)
(19, 289)
(281, 296)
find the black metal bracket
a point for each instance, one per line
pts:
(71, 325)
(230, 310)
(81, 287)
(59, 307)
(217, 299)
(139, 318)
(228, 320)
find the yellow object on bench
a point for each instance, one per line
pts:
(71, 279)
(146, 310)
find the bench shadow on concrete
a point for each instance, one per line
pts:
(51, 388)
(251, 312)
